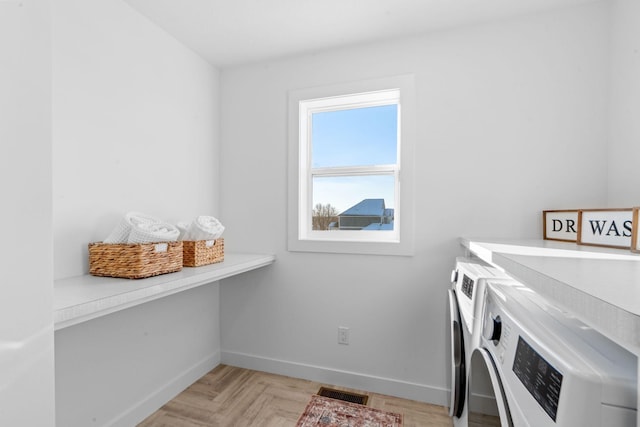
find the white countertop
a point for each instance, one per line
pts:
(601, 286)
(82, 298)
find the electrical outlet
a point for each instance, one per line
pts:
(343, 335)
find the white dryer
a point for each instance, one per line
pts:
(466, 300)
(549, 369)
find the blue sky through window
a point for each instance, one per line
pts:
(354, 137)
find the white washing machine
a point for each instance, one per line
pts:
(549, 369)
(466, 300)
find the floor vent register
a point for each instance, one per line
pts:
(346, 396)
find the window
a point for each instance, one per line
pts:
(350, 164)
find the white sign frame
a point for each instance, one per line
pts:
(560, 225)
(609, 228)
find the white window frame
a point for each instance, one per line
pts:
(307, 172)
(303, 103)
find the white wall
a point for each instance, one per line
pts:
(135, 129)
(118, 369)
(624, 139)
(135, 126)
(26, 293)
(513, 120)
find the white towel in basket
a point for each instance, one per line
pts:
(120, 233)
(136, 227)
(152, 233)
(183, 226)
(204, 228)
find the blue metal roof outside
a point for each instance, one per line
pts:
(367, 207)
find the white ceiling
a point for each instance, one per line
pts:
(232, 32)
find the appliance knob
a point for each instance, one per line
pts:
(454, 276)
(494, 330)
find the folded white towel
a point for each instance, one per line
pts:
(204, 228)
(137, 227)
(183, 226)
(120, 233)
(152, 233)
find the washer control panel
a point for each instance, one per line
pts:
(541, 379)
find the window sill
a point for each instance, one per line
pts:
(346, 247)
(82, 298)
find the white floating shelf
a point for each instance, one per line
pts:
(82, 298)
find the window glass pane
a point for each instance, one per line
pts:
(356, 202)
(355, 137)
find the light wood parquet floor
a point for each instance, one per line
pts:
(235, 397)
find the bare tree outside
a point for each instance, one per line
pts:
(323, 215)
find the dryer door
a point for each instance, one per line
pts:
(487, 401)
(458, 372)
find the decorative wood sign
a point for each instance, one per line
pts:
(605, 227)
(560, 225)
(635, 238)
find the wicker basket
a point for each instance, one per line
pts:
(134, 261)
(203, 252)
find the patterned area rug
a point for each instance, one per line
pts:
(325, 412)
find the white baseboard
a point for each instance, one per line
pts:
(156, 398)
(374, 384)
